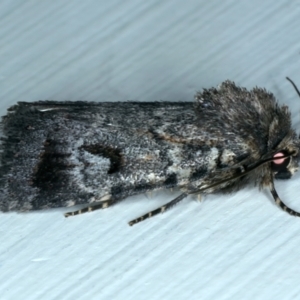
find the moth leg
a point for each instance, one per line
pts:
(280, 203)
(199, 197)
(158, 210)
(101, 205)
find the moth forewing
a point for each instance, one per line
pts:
(58, 154)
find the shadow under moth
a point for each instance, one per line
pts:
(61, 154)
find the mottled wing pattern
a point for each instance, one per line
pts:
(58, 154)
(64, 153)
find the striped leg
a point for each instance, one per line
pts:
(158, 210)
(280, 203)
(101, 205)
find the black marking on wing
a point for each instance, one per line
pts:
(171, 181)
(49, 174)
(199, 173)
(113, 154)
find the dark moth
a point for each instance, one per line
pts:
(60, 154)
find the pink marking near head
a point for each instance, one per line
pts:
(279, 160)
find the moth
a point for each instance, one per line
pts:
(61, 154)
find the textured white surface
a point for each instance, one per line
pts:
(237, 246)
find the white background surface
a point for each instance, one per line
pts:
(237, 246)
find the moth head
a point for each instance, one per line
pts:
(277, 158)
(284, 166)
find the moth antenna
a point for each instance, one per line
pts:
(294, 85)
(158, 210)
(101, 205)
(182, 196)
(279, 202)
(173, 202)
